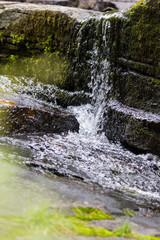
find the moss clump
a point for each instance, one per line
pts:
(139, 3)
(93, 232)
(89, 214)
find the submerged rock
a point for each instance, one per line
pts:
(22, 115)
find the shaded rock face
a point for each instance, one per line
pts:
(24, 116)
(134, 128)
(136, 81)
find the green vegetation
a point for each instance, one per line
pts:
(1, 34)
(17, 40)
(124, 230)
(13, 58)
(89, 214)
(144, 32)
(139, 3)
(47, 45)
(128, 213)
(43, 222)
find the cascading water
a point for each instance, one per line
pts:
(86, 155)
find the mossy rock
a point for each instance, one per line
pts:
(136, 58)
(141, 34)
(42, 31)
(38, 27)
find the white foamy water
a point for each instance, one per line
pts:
(88, 155)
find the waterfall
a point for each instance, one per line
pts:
(87, 155)
(97, 64)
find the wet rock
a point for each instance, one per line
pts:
(134, 128)
(63, 98)
(66, 99)
(20, 115)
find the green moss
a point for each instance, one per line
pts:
(139, 3)
(13, 58)
(93, 232)
(17, 40)
(128, 213)
(89, 214)
(1, 37)
(142, 34)
(144, 237)
(44, 222)
(1, 34)
(154, 81)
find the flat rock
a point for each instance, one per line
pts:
(23, 8)
(23, 115)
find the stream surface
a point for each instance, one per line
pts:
(95, 171)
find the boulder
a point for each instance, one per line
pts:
(136, 129)
(23, 115)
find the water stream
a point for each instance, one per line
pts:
(88, 157)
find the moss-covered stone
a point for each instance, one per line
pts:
(136, 69)
(41, 28)
(41, 31)
(141, 35)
